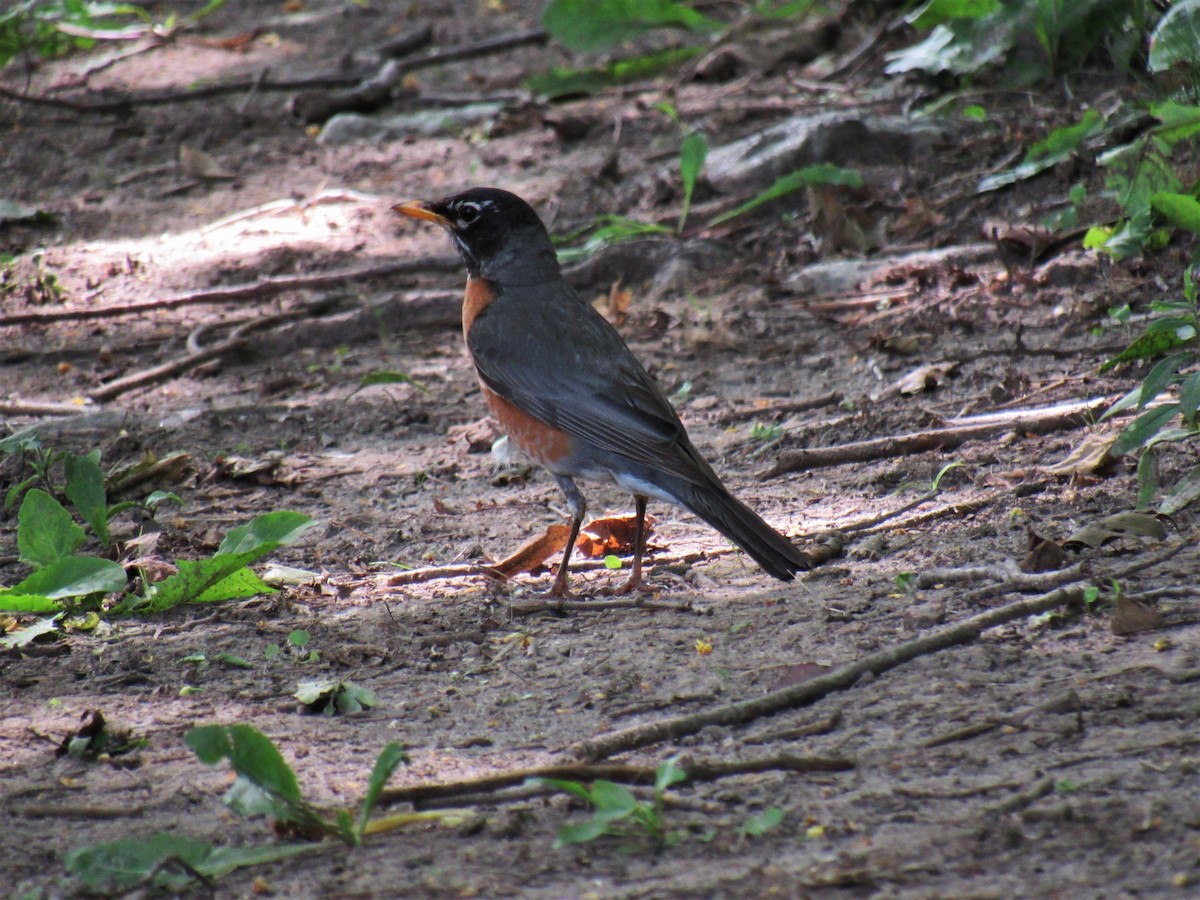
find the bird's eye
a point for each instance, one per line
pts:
(468, 213)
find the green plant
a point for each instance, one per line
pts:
(50, 28)
(768, 433)
(1172, 334)
(603, 231)
(266, 786)
(1142, 178)
(597, 25)
(809, 176)
(333, 696)
(616, 811)
(967, 36)
(1058, 146)
(591, 25)
(48, 538)
(760, 823)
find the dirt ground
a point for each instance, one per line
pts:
(1050, 757)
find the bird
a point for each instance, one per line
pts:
(565, 388)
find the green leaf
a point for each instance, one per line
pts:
(231, 659)
(1181, 210)
(122, 864)
(935, 12)
(24, 636)
(75, 576)
(157, 497)
(1189, 397)
(1175, 41)
(251, 754)
(1179, 121)
(1057, 146)
(755, 826)
(223, 577)
(1147, 478)
(607, 230)
(592, 25)
(333, 696)
(612, 801)
(1143, 428)
(562, 82)
(582, 832)
(85, 488)
(390, 758)
(574, 788)
(1156, 341)
(669, 773)
(275, 528)
(12, 602)
(1185, 491)
(692, 154)
(823, 173)
(1163, 375)
(46, 532)
(243, 582)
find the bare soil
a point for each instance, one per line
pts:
(1049, 757)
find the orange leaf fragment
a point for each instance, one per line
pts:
(612, 535)
(533, 553)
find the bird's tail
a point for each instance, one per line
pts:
(777, 555)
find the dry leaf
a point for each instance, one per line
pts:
(1126, 524)
(1090, 457)
(1133, 616)
(533, 553)
(478, 436)
(1044, 555)
(923, 378)
(613, 535)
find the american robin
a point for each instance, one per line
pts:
(566, 389)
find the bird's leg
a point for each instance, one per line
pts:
(578, 507)
(634, 581)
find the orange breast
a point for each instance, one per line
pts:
(479, 294)
(544, 445)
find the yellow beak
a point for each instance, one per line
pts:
(419, 209)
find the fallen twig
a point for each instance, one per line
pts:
(236, 341)
(38, 408)
(814, 689)
(373, 92)
(253, 290)
(436, 573)
(956, 432)
(124, 104)
(843, 677)
(697, 770)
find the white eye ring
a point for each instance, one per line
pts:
(468, 213)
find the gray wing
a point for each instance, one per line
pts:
(568, 367)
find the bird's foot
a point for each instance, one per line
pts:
(631, 585)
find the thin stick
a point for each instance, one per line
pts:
(814, 689)
(697, 770)
(958, 431)
(253, 290)
(236, 341)
(844, 677)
